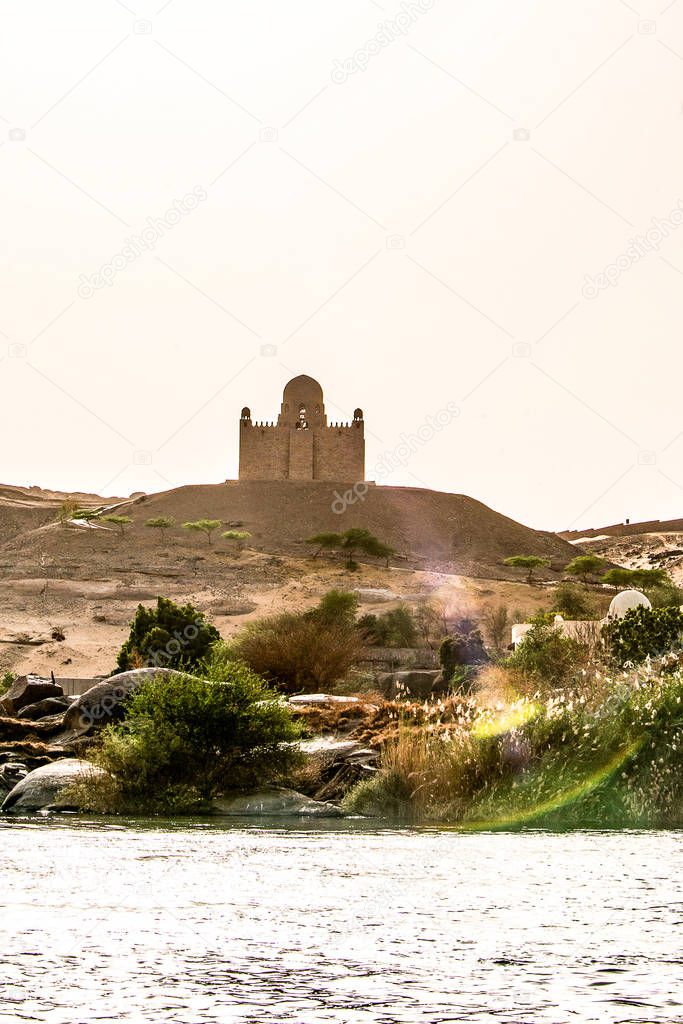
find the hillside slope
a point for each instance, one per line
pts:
(85, 583)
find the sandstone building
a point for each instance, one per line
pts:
(302, 445)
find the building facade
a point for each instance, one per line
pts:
(302, 445)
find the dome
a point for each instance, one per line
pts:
(303, 387)
(625, 601)
(302, 403)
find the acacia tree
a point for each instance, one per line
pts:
(121, 521)
(585, 566)
(239, 537)
(528, 562)
(162, 523)
(350, 542)
(640, 579)
(325, 542)
(205, 526)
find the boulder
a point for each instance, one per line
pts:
(331, 750)
(417, 683)
(103, 703)
(43, 788)
(44, 708)
(275, 803)
(334, 765)
(28, 690)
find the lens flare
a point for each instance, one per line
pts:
(505, 721)
(561, 799)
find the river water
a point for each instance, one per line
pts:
(195, 922)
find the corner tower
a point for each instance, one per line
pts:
(302, 445)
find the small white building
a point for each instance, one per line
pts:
(582, 629)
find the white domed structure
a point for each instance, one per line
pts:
(625, 601)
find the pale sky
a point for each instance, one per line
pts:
(412, 202)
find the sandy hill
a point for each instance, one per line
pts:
(450, 532)
(88, 581)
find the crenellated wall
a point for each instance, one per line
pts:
(302, 445)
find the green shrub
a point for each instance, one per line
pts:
(186, 740)
(638, 579)
(574, 603)
(120, 521)
(395, 628)
(336, 606)
(547, 656)
(664, 595)
(161, 523)
(299, 652)
(6, 682)
(168, 636)
(349, 543)
(206, 526)
(644, 633)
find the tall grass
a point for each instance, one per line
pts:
(562, 760)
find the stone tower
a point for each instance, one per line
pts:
(302, 445)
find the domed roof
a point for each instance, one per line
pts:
(625, 601)
(304, 385)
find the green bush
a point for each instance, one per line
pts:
(547, 656)
(574, 603)
(638, 579)
(6, 682)
(395, 628)
(664, 595)
(349, 543)
(644, 633)
(336, 607)
(168, 636)
(585, 566)
(186, 740)
(528, 562)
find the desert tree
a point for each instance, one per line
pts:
(161, 523)
(528, 562)
(496, 622)
(206, 526)
(585, 566)
(120, 521)
(350, 543)
(238, 537)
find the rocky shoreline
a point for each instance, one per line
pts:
(45, 737)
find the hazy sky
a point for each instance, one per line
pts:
(426, 205)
